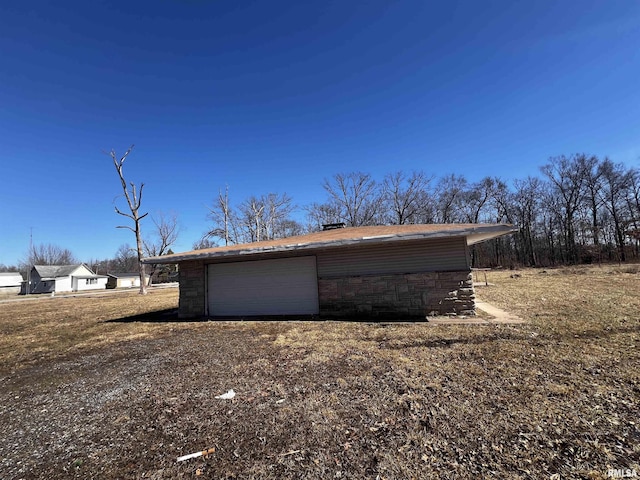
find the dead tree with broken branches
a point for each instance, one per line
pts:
(134, 200)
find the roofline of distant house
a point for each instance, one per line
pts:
(477, 233)
(125, 275)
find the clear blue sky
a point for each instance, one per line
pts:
(275, 96)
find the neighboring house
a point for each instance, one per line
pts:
(125, 280)
(10, 283)
(64, 278)
(401, 271)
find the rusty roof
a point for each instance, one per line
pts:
(474, 233)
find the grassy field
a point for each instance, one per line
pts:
(109, 387)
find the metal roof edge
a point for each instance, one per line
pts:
(490, 232)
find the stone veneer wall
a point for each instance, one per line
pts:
(413, 295)
(193, 295)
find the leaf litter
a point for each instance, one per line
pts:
(553, 398)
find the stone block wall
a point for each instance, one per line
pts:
(192, 290)
(390, 296)
(414, 295)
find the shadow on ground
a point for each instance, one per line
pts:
(171, 315)
(159, 316)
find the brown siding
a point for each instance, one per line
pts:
(437, 255)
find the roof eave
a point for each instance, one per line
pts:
(474, 235)
(489, 233)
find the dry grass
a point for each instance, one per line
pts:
(39, 328)
(553, 398)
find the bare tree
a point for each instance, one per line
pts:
(257, 218)
(264, 217)
(125, 260)
(567, 176)
(252, 212)
(165, 235)
(49, 254)
(134, 200)
(94, 265)
(356, 196)
(525, 203)
(477, 203)
(319, 214)
(634, 192)
(476, 199)
(224, 220)
(633, 204)
(592, 201)
(615, 181)
(290, 228)
(502, 250)
(449, 191)
(278, 210)
(406, 198)
(8, 268)
(203, 243)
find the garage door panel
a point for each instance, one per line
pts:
(286, 286)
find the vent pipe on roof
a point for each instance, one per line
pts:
(333, 226)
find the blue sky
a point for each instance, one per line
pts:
(276, 96)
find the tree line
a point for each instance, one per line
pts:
(580, 209)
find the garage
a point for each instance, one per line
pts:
(383, 271)
(284, 286)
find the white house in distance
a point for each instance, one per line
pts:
(125, 280)
(10, 283)
(64, 278)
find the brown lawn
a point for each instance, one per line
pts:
(108, 387)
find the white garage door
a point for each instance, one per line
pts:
(286, 286)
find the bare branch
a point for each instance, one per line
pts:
(140, 196)
(124, 214)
